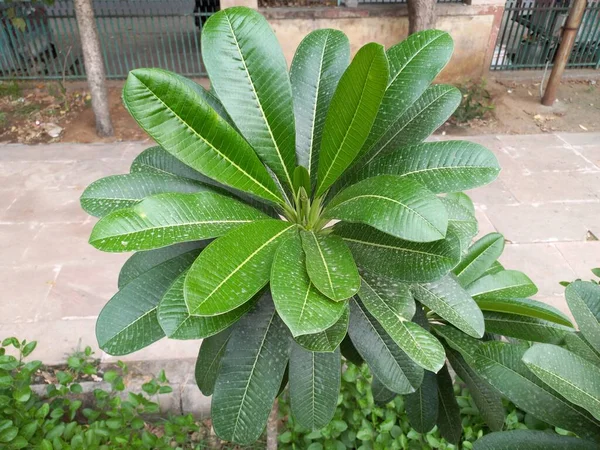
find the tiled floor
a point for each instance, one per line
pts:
(546, 202)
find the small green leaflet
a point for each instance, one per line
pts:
(508, 283)
(479, 258)
(329, 339)
(209, 360)
(583, 298)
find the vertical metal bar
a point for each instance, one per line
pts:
(104, 43)
(500, 59)
(116, 38)
(79, 69)
(511, 38)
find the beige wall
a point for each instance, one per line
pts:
(469, 26)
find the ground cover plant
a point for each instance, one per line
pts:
(290, 218)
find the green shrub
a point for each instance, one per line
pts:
(476, 102)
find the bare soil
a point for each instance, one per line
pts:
(32, 114)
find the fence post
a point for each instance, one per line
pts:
(94, 65)
(564, 51)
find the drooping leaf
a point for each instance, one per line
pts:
(314, 386)
(422, 405)
(448, 418)
(177, 323)
(583, 298)
(501, 365)
(479, 258)
(351, 113)
(385, 358)
(141, 262)
(462, 221)
(209, 360)
(116, 192)
(487, 399)
(298, 302)
(576, 343)
(329, 339)
(350, 353)
(420, 345)
(425, 115)
(381, 394)
(248, 72)
(494, 268)
(459, 341)
(530, 440)
(318, 64)
(414, 63)
(330, 265)
(167, 219)
(525, 307)
(193, 132)
(508, 283)
(250, 375)
(128, 322)
(301, 180)
(399, 259)
(442, 167)
(232, 269)
(157, 160)
(396, 296)
(524, 327)
(575, 378)
(451, 302)
(394, 205)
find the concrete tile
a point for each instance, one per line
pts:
(7, 198)
(485, 226)
(580, 138)
(15, 241)
(550, 222)
(544, 264)
(25, 290)
(591, 153)
(80, 292)
(543, 187)
(63, 152)
(581, 257)
(55, 206)
(591, 180)
(35, 174)
(495, 193)
(194, 402)
(163, 349)
(86, 172)
(56, 339)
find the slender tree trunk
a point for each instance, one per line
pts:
(94, 65)
(272, 428)
(421, 15)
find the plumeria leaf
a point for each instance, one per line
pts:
(461, 218)
(448, 419)
(508, 283)
(531, 440)
(479, 258)
(583, 298)
(329, 339)
(525, 307)
(209, 360)
(422, 405)
(525, 327)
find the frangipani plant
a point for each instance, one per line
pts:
(290, 218)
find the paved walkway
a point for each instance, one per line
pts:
(546, 202)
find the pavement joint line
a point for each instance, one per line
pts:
(52, 284)
(571, 147)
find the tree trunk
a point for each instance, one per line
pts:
(94, 65)
(421, 15)
(272, 428)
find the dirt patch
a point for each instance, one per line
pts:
(33, 113)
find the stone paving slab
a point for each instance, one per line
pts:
(546, 202)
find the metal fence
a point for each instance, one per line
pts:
(530, 36)
(133, 33)
(387, 2)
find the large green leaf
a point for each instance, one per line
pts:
(166, 219)
(524, 327)
(329, 339)
(451, 302)
(386, 360)
(486, 398)
(396, 258)
(525, 307)
(396, 296)
(479, 258)
(232, 269)
(193, 132)
(422, 405)
(575, 378)
(314, 386)
(420, 345)
(530, 440)
(330, 265)
(508, 283)
(381, 394)
(447, 166)
(318, 64)
(298, 302)
(394, 205)
(159, 161)
(583, 298)
(209, 360)
(501, 365)
(123, 191)
(576, 343)
(177, 323)
(448, 419)
(459, 341)
(462, 221)
(248, 72)
(250, 375)
(351, 113)
(432, 109)
(414, 63)
(128, 322)
(141, 262)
